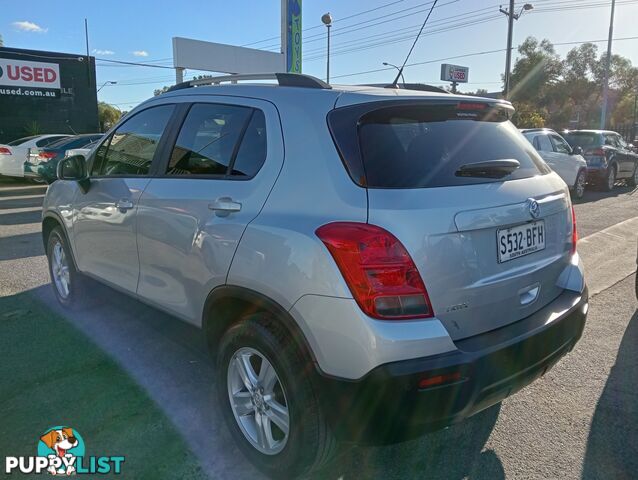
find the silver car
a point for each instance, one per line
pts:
(568, 162)
(367, 264)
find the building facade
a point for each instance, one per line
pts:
(46, 92)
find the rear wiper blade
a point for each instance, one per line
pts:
(488, 169)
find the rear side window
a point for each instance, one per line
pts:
(219, 140)
(421, 146)
(131, 148)
(543, 144)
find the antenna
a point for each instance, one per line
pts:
(394, 84)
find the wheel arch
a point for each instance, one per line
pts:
(49, 222)
(227, 304)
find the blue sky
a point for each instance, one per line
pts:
(141, 31)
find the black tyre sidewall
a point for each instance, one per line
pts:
(303, 443)
(611, 171)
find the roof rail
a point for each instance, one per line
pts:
(283, 79)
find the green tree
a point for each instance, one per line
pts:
(108, 115)
(528, 115)
(536, 70)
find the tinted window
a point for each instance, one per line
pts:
(584, 139)
(252, 151)
(45, 142)
(424, 146)
(561, 145)
(543, 144)
(208, 139)
(130, 149)
(20, 141)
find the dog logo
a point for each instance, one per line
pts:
(61, 451)
(61, 443)
(534, 208)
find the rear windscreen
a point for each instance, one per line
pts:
(584, 139)
(412, 146)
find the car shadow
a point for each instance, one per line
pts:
(21, 218)
(454, 453)
(169, 358)
(612, 446)
(593, 195)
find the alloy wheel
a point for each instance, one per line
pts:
(60, 270)
(580, 185)
(258, 401)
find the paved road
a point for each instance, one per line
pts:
(579, 421)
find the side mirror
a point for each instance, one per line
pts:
(72, 168)
(577, 150)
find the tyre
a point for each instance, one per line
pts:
(69, 285)
(610, 179)
(267, 401)
(633, 181)
(579, 185)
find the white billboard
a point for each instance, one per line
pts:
(454, 73)
(21, 73)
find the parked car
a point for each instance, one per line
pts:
(561, 157)
(84, 151)
(42, 163)
(609, 158)
(376, 264)
(15, 153)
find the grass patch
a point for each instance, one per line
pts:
(51, 374)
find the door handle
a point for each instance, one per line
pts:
(224, 206)
(123, 204)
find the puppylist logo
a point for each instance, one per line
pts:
(61, 451)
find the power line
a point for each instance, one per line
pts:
(486, 52)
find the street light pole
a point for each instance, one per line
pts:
(603, 110)
(326, 18)
(105, 84)
(511, 16)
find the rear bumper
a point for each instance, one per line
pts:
(596, 173)
(387, 405)
(46, 171)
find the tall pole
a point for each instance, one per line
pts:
(88, 58)
(603, 110)
(328, 62)
(508, 56)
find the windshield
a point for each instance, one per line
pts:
(583, 139)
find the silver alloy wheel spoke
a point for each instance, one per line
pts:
(60, 270)
(267, 376)
(258, 402)
(278, 414)
(242, 404)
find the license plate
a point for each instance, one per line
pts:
(520, 240)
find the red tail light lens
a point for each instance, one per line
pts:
(597, 152)
(46, 155)
(574, 231)
(5, 151)
(378, 270)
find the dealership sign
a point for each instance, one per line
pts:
(29, 77)
(454, 73)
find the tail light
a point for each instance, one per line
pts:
(5, 151)
(46, 155)
(574, 231)
(596, 152)
(379, 271)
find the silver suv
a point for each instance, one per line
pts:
(367, 264)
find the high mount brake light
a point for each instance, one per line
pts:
(378, 270)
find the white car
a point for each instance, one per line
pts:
(568, 162)
(15, 153)
(84, 151)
